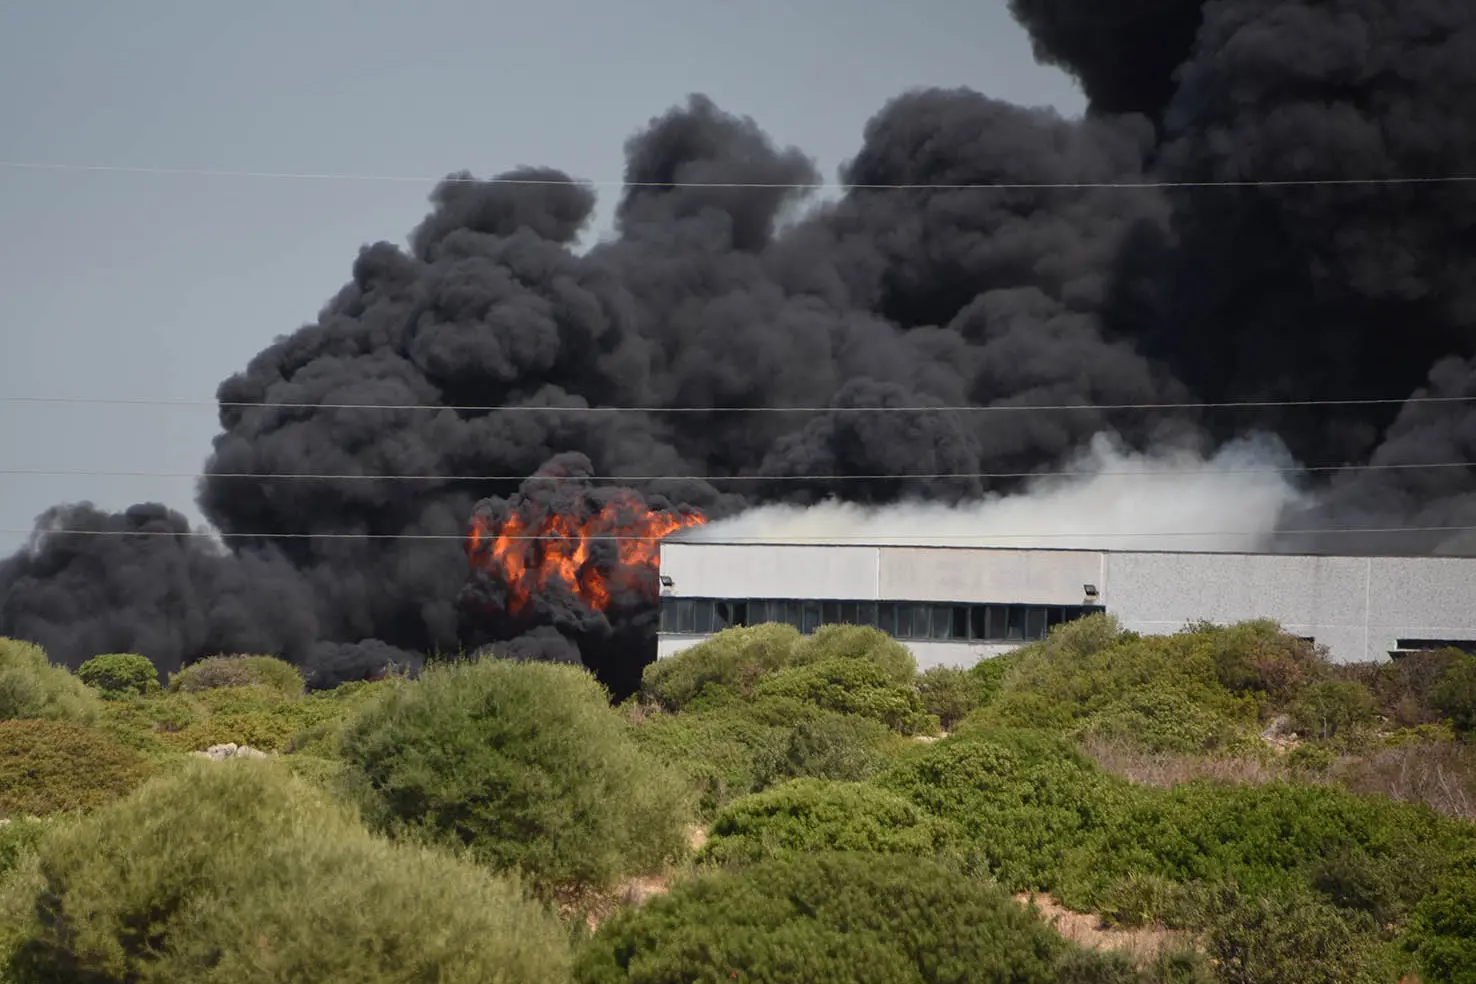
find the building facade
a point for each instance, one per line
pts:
(954, 605)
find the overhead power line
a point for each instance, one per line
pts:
(878, 477)
(621, 183)
(866, 539)
(523, 408)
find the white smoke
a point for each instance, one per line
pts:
(1113, 498)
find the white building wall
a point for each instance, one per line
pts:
(868, 573)
(725, 570)
(1356, 606)
(1038, 577)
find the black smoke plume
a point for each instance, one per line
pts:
(751, 295)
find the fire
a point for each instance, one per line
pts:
(539, 555)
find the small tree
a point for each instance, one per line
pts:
(118, 675)
(524, 764)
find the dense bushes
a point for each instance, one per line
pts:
(1022, 797)
(1455, 694)
(1268, 838)
(734, 659)
(1169, 692)
(30, 687)
(262, 717)
(1289, 937)
(1332, 708)
(524, 764)
(833, 919)
(949, 694)
(57, 766)
(744, 747)
(800, 751)
(235, 872)
(811, 815)
(118, 675)
(1442, 932)
(238, 671)
(853, 686)
(830, 642)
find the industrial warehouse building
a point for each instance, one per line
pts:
(954, 605)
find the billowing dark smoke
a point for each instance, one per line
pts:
(567, 555)
(750, 295)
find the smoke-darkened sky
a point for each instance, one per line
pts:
(126, 285)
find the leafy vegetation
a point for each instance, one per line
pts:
(841, 918)
(237, 872)
(740, 747)
(238, 671)
(1222, 804)
(853, 686)
(811, 815)
(525, 765)
(56, 766)
(119, 675)
(30, 687)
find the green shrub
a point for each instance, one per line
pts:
(1178, 965)
(1160, 719)
(30, 687)
(236, 872)
(949, 694)
(1332, 708)
(1455, 695)
(19, 837)
(1084, 638)
(58, 766)
(1402, 687)
(853, 686)
(118, 675)
(524, 764)
(734, 658)
(813, 816)
(857, 642)
(832, 919)
(239, 671)
(1291, 938)
(1267, 838)
(1023, 798)
(989, 674)
(262, 717)
(734, 750)
(1257, 658)
(1144, 900)
(1442, 931)
(1086, 677)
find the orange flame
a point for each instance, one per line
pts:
(535, 556)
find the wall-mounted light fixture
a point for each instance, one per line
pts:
(667, 582)
(1091, 591)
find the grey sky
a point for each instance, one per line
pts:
(135, 285)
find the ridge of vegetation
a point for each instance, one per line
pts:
(1222, 804)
